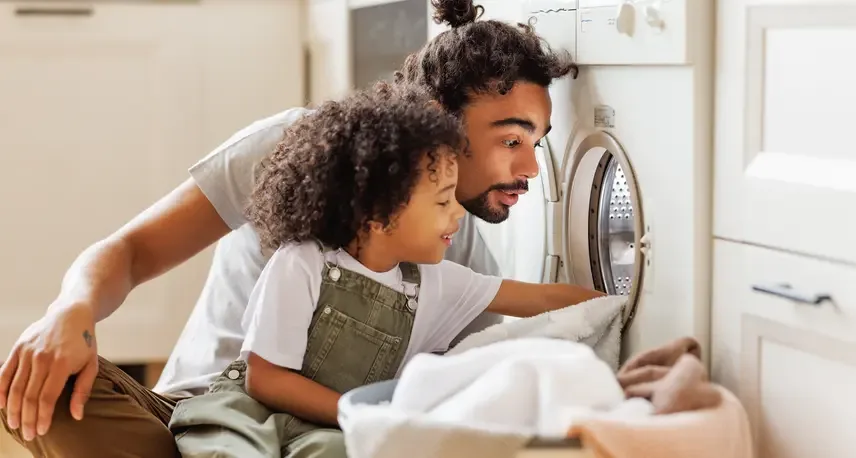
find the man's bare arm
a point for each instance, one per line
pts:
(63, 342)
(171, 231)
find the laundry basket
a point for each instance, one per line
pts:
(380, 392)
(375, 393)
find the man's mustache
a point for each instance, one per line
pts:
(518, 186)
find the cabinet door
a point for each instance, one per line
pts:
(785, 106)
(101, 113)
(329, 43)
(253, 62)
(784, 340)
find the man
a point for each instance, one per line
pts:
(495, 76)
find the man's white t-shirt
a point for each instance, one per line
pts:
(213, 335)
(283, 300)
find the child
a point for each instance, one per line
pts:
(357, 285)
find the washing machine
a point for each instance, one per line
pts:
(626, 170)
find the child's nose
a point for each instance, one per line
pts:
(458, 212)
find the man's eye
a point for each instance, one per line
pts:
(443, 204)
(510, 143)
(538, 144)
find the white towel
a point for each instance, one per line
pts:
(488, 400)
(596, 323)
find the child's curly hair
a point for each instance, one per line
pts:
(347, 163)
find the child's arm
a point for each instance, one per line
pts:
(277, 320)
(283, 390)
(523, 300)
(465, 294)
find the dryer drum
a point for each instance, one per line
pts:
(613, 247)
(602, 199)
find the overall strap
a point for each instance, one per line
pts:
(321, 246)
(410, 273)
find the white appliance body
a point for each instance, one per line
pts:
(626, 172)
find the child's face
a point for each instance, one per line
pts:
(425, 227)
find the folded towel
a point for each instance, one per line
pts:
(596, 323)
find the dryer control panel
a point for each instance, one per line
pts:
(622, 32)
(555, 21)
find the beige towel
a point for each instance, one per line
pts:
(721, 432)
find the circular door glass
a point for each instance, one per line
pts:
(604, 227)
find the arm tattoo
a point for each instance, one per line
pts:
(88, 338)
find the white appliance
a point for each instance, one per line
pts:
(626, 171)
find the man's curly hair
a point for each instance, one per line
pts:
(349, 162)
(477, 57)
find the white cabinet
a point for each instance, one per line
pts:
(784, 278)
(328, 41)
(253, 62)
(102, 109)
(789, 357)
(786, 107)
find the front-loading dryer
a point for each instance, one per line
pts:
(626, 169)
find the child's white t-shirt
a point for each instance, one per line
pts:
(283, 300)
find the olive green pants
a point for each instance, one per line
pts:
(359, 332)
(227, 422)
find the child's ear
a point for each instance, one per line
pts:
(376, 227)
(379, 228)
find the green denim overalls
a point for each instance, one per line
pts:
(358, 335)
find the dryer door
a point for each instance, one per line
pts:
(552, 196)
(604, 246)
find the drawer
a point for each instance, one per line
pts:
(783, 165)
(792, 362)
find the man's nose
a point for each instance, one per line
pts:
(526, 165)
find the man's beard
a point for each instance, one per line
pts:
(480, 206)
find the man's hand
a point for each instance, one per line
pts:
(51, 350)
(685, 387)
(664, 356)
(672, 377)
(171, 231)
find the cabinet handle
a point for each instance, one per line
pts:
(786, 291)
(73, 11)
